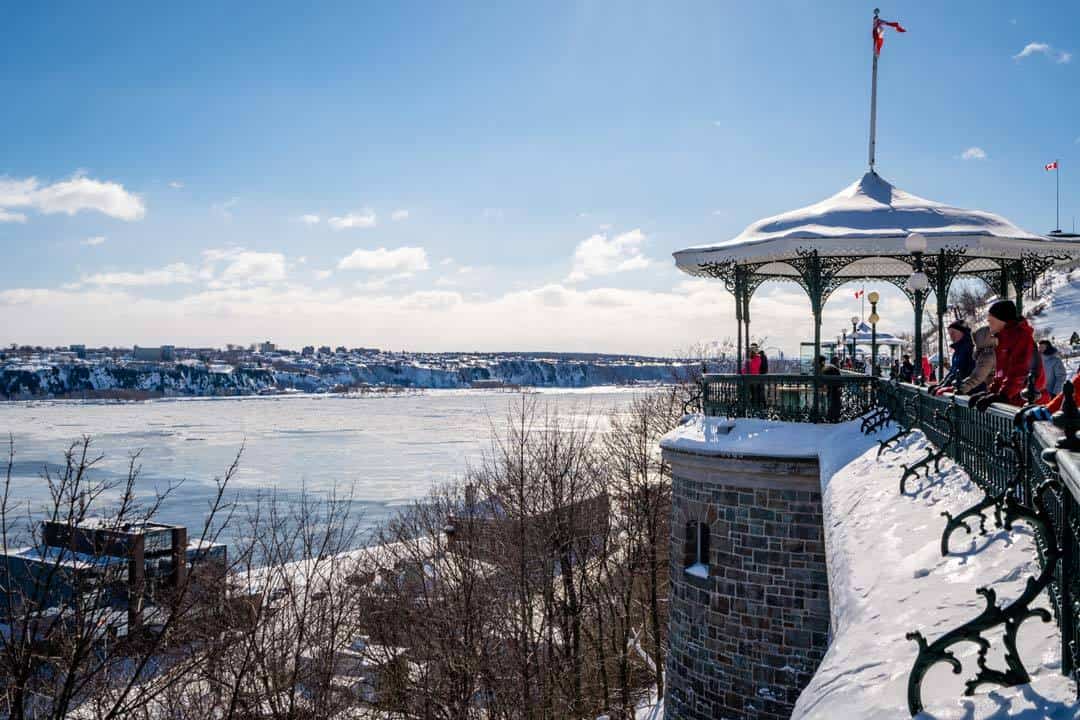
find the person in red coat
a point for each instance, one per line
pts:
(1059, 399)
(1016, 357)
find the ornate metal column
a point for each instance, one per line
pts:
(942, 269)
(1018, 276)
(748, 290)
(738, 292)
(817, 275)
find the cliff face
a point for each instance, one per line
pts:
(27, 382)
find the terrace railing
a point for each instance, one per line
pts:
(1019, 464)
(1027, 469)
(798, 398)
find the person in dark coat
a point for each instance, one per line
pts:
(1053, 367)
(963, 356)
(1016, 356)
(833, 393)
(907, 370)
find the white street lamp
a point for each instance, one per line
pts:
(915, 243)
(918, 282)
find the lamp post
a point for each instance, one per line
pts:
(917, 285)
(854, 329)
(842, 350)
(873, 297)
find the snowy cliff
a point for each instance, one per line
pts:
(22, 381)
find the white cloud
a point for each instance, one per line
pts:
(399, 215)
(175, 184)
(558, 316)
(323, 274)
(17, 193)
(6, 216)
(381, 283)
(404, 259)
(70, 196)
(598, 255)
(431, 300)
(245, 267)
(93, 241)
(360, 219)
(973, 153)
(174, 274)
(1041, 48)
(310, 219)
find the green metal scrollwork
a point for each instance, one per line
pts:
(1010, 616)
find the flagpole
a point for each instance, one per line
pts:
(873, 98)
(1057, 198)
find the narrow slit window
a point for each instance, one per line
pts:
(698, 547)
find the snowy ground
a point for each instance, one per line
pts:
(888, 577)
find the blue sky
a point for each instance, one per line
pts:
(484, 176)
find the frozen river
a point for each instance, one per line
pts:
(383, 451)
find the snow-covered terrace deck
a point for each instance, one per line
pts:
(888, 577)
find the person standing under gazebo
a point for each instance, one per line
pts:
(1016, 357)
(963, 357)
(757, 363)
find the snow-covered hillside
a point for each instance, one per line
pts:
(22, 380)
(1056, 313)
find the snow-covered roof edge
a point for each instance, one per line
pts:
(872, 217)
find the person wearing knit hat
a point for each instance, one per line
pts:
(1016, 357)
(1004, 311)
(963, 357)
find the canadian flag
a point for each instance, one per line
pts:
(1051, 165)
(879, 32)
(859, 294)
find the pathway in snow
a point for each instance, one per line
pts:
(888, 577)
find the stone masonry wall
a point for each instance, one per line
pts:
(746, 639)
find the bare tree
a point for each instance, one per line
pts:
(81, 633)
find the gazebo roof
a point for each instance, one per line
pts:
(864, 334)
(869, 221)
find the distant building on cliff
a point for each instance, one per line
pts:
(165, 353)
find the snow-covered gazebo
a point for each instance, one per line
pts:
(865, 334)
(874, 230)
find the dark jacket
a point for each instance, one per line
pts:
(1015, 357)
(963, 360)
(907, 372)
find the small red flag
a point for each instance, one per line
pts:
(1051, 166)
(879, 32)
(859, 294)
